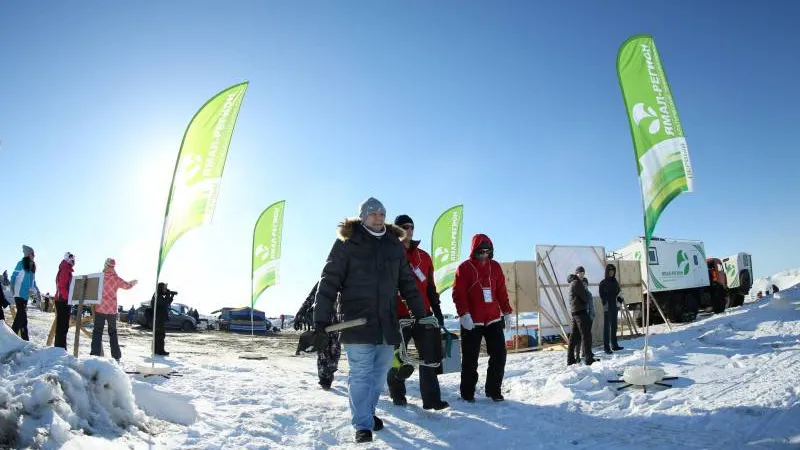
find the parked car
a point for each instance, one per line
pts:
(175, 320)
(238, 320)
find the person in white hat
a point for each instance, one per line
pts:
(63, 280)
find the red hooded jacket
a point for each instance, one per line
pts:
(419, 259)
(472, 277)
(63, 280)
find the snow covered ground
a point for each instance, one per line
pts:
(738, 387)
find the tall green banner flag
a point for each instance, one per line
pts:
(267, 236)
(446, 245)
(198, 170)
(662, 157)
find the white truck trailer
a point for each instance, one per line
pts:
(678, 277)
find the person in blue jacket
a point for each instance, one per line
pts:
(23, 283)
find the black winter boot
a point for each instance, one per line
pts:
(438, 406)
(363, 436)
(378, 425)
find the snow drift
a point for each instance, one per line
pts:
(48, 397)
(784, 280)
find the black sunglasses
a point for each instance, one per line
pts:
(407, 227)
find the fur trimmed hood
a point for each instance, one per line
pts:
(346, 229)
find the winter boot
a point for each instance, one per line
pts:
(498, 397)
(438, 406)
(363, 436)
(378, 425)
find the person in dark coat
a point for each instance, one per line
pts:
(578, 301)
(165, 297)
(609, 294)
(428, 344)
(4, 303)
(365, 269)
(589, 310)
(328, 358)
(305, 315)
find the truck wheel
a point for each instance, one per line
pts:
(690, 308)
(718, 299)
(676, 309)
(745, 281)
(187, 326)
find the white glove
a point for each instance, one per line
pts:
(466, 322)
(507, 321)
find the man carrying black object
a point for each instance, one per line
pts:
(578, 300)
(366, 268)
(609, 294)
(328, 358)
(427, 342)
(165, 297)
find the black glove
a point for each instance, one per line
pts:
(620, 300)
(315, 340)
(297, 323)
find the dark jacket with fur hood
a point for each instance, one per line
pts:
(367, 272)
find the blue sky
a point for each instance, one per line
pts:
(511, 108)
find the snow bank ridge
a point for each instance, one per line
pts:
(48, 397)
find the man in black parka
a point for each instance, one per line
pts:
(366, 268)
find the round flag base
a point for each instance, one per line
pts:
(153, 369)
(253, 355)
(639, 376)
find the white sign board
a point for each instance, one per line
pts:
(554, 264)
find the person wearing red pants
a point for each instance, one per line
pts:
(481, 298)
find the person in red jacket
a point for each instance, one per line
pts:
(428, 344)
(106, 311)
(63, 280)
(481, 298)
